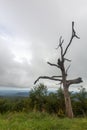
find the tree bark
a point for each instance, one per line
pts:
(69, 111)
(68, 106)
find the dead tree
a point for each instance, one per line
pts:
(63, 77)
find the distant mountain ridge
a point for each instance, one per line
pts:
(14, 93)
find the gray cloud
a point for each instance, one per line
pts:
(29, 32)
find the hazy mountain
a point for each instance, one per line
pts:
(14, 93)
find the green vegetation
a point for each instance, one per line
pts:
(40, 100)
(43, 110)
(40, 121)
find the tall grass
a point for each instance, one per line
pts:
(40, 121)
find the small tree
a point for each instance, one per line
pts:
(37, 96)
(63, 77)
(81, 101)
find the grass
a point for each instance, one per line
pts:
(40, 121)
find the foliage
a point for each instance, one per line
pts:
(38, 97)
(41, 100)
(80, 102)
(51, 103)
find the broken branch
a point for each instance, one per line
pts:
(74, 81)
(53, 64)
(46, 77)
(67, 59)
(56, 76)
(67, 68)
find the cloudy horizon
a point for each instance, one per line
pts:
(29, 33)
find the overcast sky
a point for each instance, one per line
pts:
(29, 32)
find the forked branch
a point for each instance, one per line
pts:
(60, 42)
(73, 35)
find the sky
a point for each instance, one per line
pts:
(29, 34)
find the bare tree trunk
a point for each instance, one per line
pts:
(63, 77)
(69, 112)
